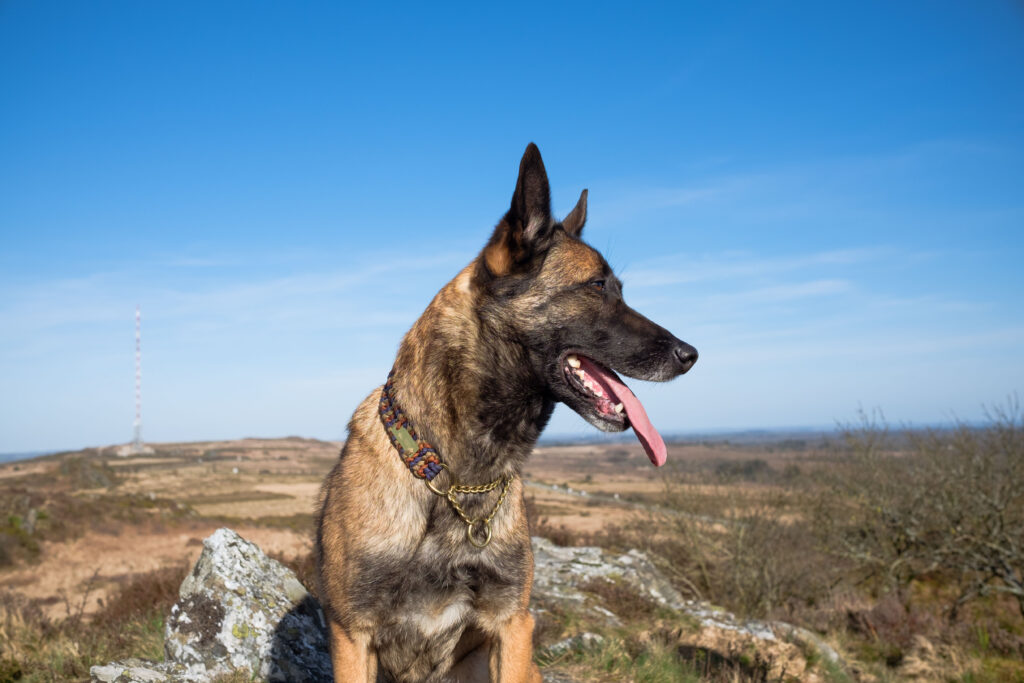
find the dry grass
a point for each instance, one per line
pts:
(754, 528)
(35, 648)
(32, 516)
(622, 599)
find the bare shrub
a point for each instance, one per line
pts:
(977, 506)
(951, 502)
(742, 553)
(150, 592)
(862, 513)
(890, 628)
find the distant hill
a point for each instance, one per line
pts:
(13, 457)
(739, 436)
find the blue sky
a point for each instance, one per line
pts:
(826, 199)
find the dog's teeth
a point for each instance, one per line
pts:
(597, 390)
(588, 384)
(619, 408)
(573, 361)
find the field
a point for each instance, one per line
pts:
(805, 529)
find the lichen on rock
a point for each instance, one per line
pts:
(237, 610)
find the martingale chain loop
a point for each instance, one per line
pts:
(424, 462)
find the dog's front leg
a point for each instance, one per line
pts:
(512, 651)
(351, 656)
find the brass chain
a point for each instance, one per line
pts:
(456, 488)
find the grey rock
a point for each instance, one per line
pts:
(138, 671)
(713, 617)
(558, 677)
(560, 572)
(805, 638)
(29, 523)
(238, 610)
(578, 643)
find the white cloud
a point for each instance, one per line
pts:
(687, 268)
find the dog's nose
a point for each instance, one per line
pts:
(685, 355)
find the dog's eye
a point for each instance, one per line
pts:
(598, 285)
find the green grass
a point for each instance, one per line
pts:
(612, 661)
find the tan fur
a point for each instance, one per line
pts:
(571, 261)
(498, 259)
(511, 660)
(374, 505)
(352, 655)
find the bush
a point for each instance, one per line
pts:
(949, 503)
(750, 551)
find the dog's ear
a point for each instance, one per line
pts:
(573, 223)
(527, 227)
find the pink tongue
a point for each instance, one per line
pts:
(649, 437)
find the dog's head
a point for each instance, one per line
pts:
(561, 301)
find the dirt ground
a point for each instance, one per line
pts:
(89, 568)
(267, 490)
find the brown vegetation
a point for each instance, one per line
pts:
(34, 647)
(949, 505)
(905, 548)
(901, 547)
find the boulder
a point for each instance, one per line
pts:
(765, 648)
(561, 573)
(238, 610)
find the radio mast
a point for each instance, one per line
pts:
(137, 446)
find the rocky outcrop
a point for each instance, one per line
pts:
(561, 575)
(564, 575)
(239, 610)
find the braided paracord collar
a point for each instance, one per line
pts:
(424, 462)
(419, 456)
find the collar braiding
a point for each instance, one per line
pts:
(419, 456)
(424, 462)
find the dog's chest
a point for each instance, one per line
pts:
(432, 590)
(423, 601)
(438, 616)
(427, 616)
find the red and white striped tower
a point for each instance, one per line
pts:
(137, 438)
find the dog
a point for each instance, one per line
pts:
(423, 551)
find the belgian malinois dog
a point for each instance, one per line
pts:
(423, 552)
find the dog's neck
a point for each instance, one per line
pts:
(469, 390)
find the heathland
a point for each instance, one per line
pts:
(903, 549)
